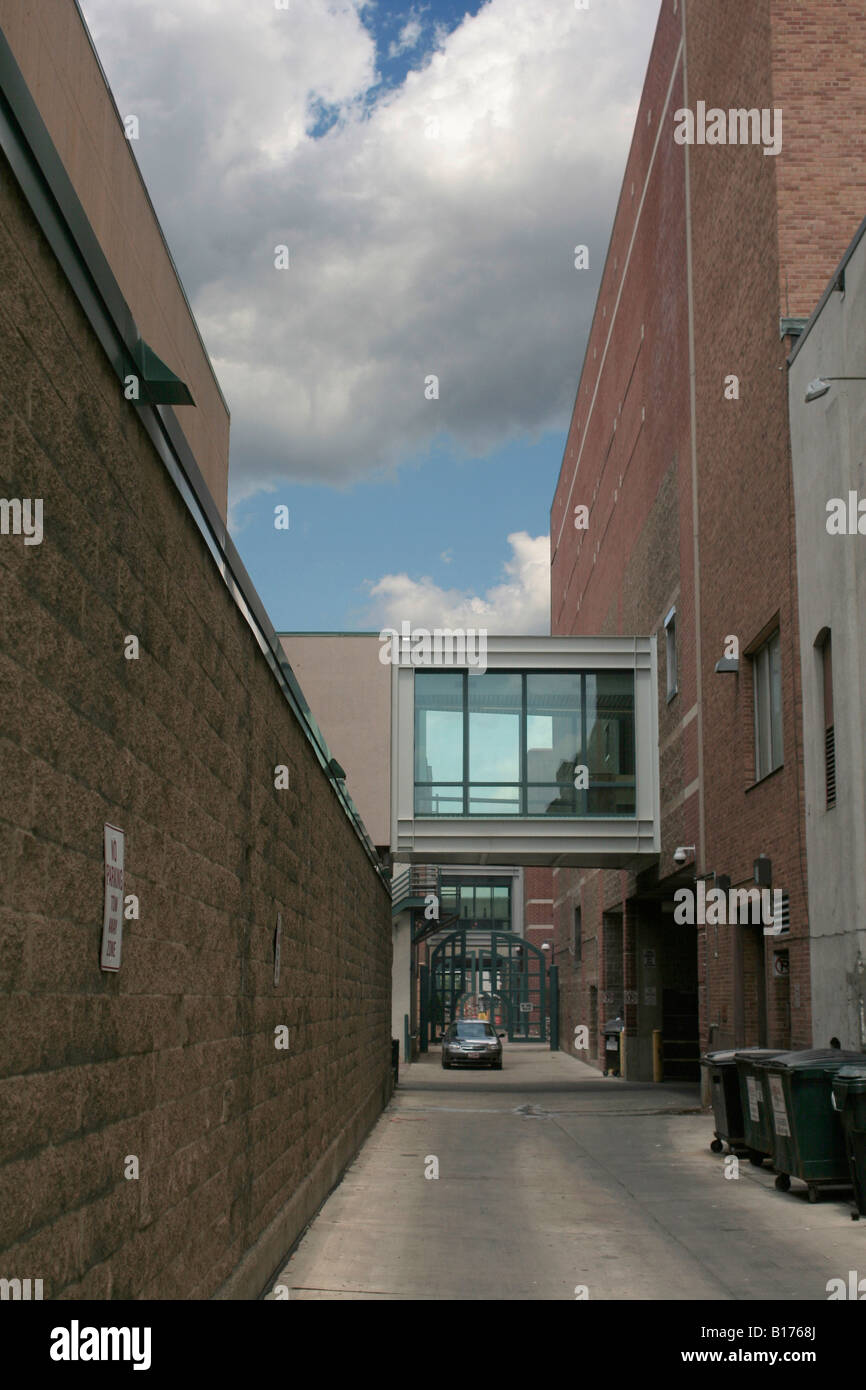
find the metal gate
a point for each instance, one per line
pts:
(497, 975)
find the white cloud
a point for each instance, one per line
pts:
(518, 606)
(408, 39)
(410, 255)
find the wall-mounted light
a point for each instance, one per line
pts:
(763, 870)
(821, 385)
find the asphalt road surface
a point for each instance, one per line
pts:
(557, 1183)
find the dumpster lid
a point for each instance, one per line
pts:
(819, 1060)
(730, 1054)
(755, 1054)
(850, 1073)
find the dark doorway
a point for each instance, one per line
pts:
(680, 1017)
(755, 985)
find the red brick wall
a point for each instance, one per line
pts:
(758, 220)
(624, 573)
(754, 219)
(538, 905)
(818, 61)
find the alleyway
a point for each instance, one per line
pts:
(552, 1177)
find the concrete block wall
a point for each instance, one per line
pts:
(173, 1059)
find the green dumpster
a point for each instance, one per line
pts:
(808, 1140)
(757, 1132)
(849, 1099)
(727, 1097)
(727, 1111)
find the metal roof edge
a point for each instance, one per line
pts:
(157, 222)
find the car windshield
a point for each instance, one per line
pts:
(473, 1030)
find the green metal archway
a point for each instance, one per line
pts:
(499, 974)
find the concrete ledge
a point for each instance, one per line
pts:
(263, 1261)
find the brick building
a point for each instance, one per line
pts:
(169, 1127)
(679, 448)
(538, 907)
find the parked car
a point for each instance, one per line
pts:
(469, 1042)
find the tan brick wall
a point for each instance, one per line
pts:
(173, 1059)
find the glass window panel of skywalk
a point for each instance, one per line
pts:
(510, 743)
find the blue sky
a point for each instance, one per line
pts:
(441, 519)
(431, 169)
(404, 35)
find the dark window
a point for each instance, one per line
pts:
(671, 652)
(483, 900)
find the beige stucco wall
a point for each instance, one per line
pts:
(827, 453)
(53, 50)
(349, 692)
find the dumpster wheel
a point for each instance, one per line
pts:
(716, 1146)
(783, 1182)
(756, 1158)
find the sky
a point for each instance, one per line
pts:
(430, 170)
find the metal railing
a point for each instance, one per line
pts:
(416, 882)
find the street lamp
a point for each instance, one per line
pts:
(821, 385)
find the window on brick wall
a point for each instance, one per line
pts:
(671, 652)
(576, 935)
(767, 684)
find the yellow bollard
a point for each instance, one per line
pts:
(658, 1056)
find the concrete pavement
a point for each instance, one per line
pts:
(553, 1179)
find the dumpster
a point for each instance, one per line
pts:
(849, 1099)
(757, 1130)
(808, 1140)
(728, 1102)
(612, 1030)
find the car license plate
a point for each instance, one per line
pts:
(473, 1056)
